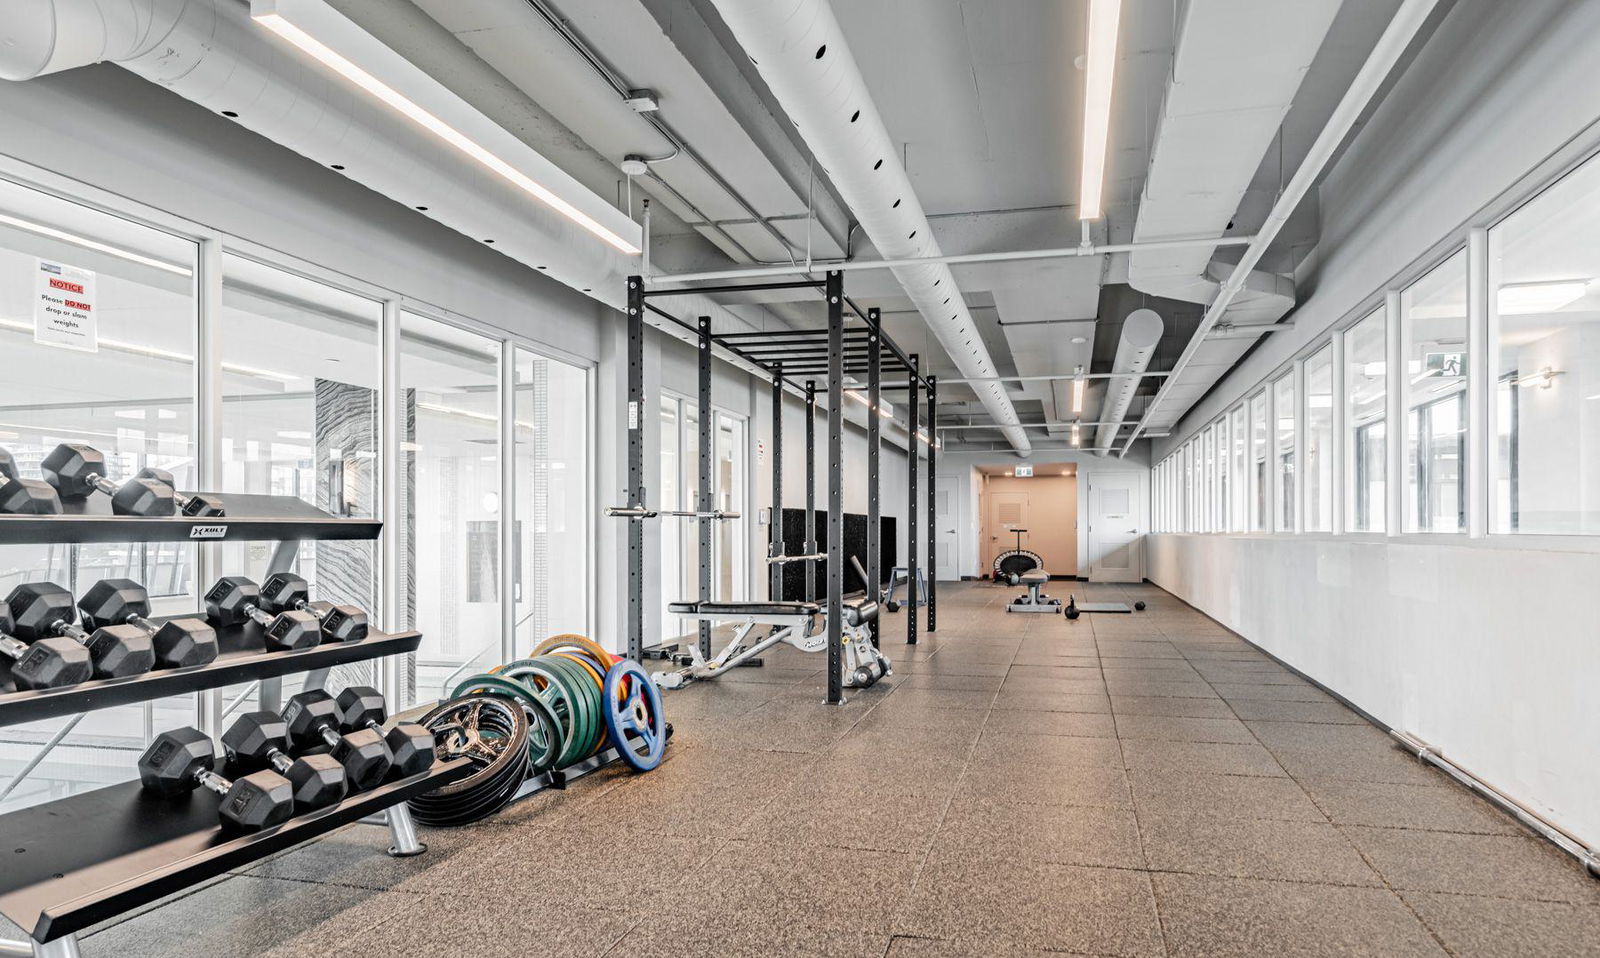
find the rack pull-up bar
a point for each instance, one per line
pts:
(784, 560)
(638, 512)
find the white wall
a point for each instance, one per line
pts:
(964, 467)
(1482, 647)
(1485, 653)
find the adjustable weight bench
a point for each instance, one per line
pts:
(1035, 600)
(792, 623)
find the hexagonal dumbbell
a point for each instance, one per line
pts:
(44, 609)
(313, 719)
(78, 471)
(181, 760)
(19, 496)
(257, 740)
(179, 643)
(235, 600)
(285, 591)
(197, 505)
(361, 707)
(46, 664)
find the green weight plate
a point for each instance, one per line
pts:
(566, 698)
(590, 693)
(584, 696)
(545, 736)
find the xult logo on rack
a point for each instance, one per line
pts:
(207, 532)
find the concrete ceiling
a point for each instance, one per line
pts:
(985, 100)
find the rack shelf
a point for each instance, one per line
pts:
(242, 658)
(250, 518)
(71, 863)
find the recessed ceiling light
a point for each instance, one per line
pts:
(1079, 340)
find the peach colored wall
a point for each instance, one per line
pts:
(1052, 517)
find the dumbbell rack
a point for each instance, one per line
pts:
(71, 863)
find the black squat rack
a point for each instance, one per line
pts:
(74, 862)
(793, 359)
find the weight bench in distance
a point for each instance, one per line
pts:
(1035, 600)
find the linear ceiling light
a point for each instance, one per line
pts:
(275, 15)
(1099, 67)
(88, 243)
(1522, 298)
(1077, 391)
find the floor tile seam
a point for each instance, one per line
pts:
(1520, 833)
(1481, 896)
(1138, 823)
(1346, 839)
(944, 814)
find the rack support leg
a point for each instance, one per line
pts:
(404, 832)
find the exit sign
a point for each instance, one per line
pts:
(1023, 472)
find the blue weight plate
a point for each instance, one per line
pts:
(640, 712)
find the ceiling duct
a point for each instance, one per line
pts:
(210, 52)
(1141, 331)
(1237, 67)
(799, 49)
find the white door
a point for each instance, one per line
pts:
(945, 522)
(1116, 528)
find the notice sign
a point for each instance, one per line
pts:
(1022, 472)
(63, 307)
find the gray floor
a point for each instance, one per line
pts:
(1118, 785)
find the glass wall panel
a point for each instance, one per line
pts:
(1365, 428)
(1239, 468)
(301, 378)
(1224, 520)
(1196, 524)
(551, 542)
(1260, 518)
(1283, 448)
(98, 323)
(450, 497)
(670, 448)
(730, 538)
(1208, 477)
(1319, 441)
(1544, 303)
(1433, 331)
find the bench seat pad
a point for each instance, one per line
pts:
(1034, 575)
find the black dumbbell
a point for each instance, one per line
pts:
(235, 600)
(195, 504)
(313, 719)
(43, 609)
(1139, 605)
(77, 471)
(179, 643)
(410, 745)
(258, 739)
(46, 664)
(181, 760)
(285, 591)
(19, 496)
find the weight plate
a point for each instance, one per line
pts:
(588, 695)
(572, 702)
(594, 673)
(590, 646)
(639, 711)
(490, 730)
(545, 735)
(556, 690)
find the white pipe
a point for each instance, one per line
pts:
(800, 51)
(1141, 332)
(1249, 330)
(1589, 857)
(1407, 21)
(1060, 252)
